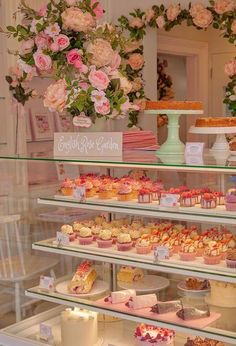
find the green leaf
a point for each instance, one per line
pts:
(11, 28)
(9, 79)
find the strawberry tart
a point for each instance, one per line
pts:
(146, 335)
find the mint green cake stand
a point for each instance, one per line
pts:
(173, 144)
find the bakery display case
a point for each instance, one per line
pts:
(141, 248)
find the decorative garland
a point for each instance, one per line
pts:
(98, 70)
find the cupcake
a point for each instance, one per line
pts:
(67, 229)
(136, 186)
(125, 192)
(105, 191)
(135, 235)
(230, 200)
(208, 201)
(105, 238)
(115, 231)
(187, 199)
(85, 236)
(188, 251)
(77, 225)
(145, 196)
(115, 187)
(212, 253)
(95, 231)
(231, 258)
(67, 187)
(124, 242)
(198, 243)
(143, 245)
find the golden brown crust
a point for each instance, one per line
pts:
(216, 122)
(174, 105)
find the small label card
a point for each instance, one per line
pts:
(79, 193)
(161, 253)
(169, 200)
(194, 148)
(88, 145)
(45, 332)
(46, 283)
(63, 239)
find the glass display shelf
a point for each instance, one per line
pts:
(217, 215)
(216, 328)
(145, 160)
(131, 258)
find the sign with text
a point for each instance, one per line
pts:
(169, 200)
(161, 253)
(45, 332)
(194, 148)
(63, 239)
(89, 145)
(46, 283)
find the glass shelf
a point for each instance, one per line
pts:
(215, 330)
(130, 258)
(218, 215)
(146, 159)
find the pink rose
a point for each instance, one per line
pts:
(63, 41)
(203, 18)
(27, 46)
(54, 47)
(103, 109)
(78, 64)
(160, 21)
(149, 15)
(195, 8)
(75, 19)
(101, 52)
(84, 69)
(73, 56)
(230, 68)
(172, 12)
(233, 27)
(132, 46)
(141, 103)
(84, 85)
(71, 2)
(42, 41)
(42, 11)
(222, 6)
(56, 95)
(99, 79)
(42, 61)
(98, 10)
(136, 23)
(115, 64)
(136, 61)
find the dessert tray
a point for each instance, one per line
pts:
(168, 317)
(191, 293)
(150, 283)
(99, 287)
(221, 143)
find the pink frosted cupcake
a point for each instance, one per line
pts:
(105, 239)
(105, 191)
(125, 192)
(136, 186)
(230, 200)
(212, 254)
(188, 251)
(67, 187)
(231, 258)
(143, 245)
(85, 236)
(124, 242)
(67, 229)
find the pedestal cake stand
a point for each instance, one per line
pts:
(173, 144)
(221, 143)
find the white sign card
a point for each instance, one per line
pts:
(169, 200)
(79, 193)
(45, 332)
(46, 283)
(161, 253)
(194, 148)
(62, 239)
(88, 145)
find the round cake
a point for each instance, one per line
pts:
(174, 105)
(222, 294)
(216, 122)
(146, 335)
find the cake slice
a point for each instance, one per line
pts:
(130, 274)
(174, 105)
(83, 280)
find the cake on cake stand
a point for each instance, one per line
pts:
(173, 144)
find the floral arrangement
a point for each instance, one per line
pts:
(164, 87)
(97, 74)
(220, 14)
(230, 96)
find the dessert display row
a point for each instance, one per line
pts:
(214, 245)
(144, 190)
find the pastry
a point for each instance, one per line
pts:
(165, 307)
(230, 200)
(145, 196)
(143, 245)
(141, 302)
(146, 335)
(232, 145)
(120, 296)
(231, 258)
(124, 242)
(85, 236)
(130, 274)
(188, 251)
(203, 342)
(187, 199)
(220, 198)
(125, 192)
(105, 191)
(83, 280)
(67, 187)
(216, 122)
(104, 239)
(193, 313)
(208, 201)
(212, 254)
(196, 284)
(175, 105)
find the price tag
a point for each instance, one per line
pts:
(194, 148)
(46, 283)
(161, 253)
(62, 239)
(169, 200)
(79, 193)
(45, 332)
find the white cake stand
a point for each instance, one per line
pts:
(221, 143)
(173, 144)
